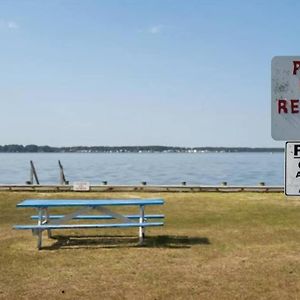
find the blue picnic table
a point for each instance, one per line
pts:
(47, 221)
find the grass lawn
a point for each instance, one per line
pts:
(213, 246)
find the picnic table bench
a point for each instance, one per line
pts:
(46, 221)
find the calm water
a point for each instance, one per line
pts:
(155, 168)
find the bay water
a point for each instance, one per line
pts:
(154, 168)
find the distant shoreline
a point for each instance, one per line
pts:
(13, 148)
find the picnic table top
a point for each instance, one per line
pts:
(87, 202)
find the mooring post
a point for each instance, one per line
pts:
(62, 177)
(33, 174)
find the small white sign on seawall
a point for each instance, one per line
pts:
(292, 169)
(81, 186)
(285, 103)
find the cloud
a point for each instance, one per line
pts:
(12, 25)
(155, 29)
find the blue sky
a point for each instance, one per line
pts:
(186, 73)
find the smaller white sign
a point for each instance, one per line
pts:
(292, 169)
(81, 186)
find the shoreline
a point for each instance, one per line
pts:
(141, 188)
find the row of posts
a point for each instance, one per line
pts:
(64, 181)
(34, 178)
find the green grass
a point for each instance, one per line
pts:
(213, 246)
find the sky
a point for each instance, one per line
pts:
(159, 72)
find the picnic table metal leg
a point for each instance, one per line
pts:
(47, 221)
(141, 228)
(39, 231)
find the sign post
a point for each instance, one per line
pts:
(285, 116)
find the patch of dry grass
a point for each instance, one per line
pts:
(213, 246)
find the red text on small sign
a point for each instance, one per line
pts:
(296, 64)
(288, 106)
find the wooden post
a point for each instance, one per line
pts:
(62, 177)
(33, 173)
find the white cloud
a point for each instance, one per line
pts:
(155, 29)
(12, 25)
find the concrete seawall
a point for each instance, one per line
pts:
(142, 188)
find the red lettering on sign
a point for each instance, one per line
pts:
(295, 106)
(282, 106)
(296, 66)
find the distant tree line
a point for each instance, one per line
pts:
(125, 149)
(27, 148)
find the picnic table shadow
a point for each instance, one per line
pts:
(121, 241)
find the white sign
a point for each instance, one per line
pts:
(285, 98)
(292, 169)
(81, 186)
